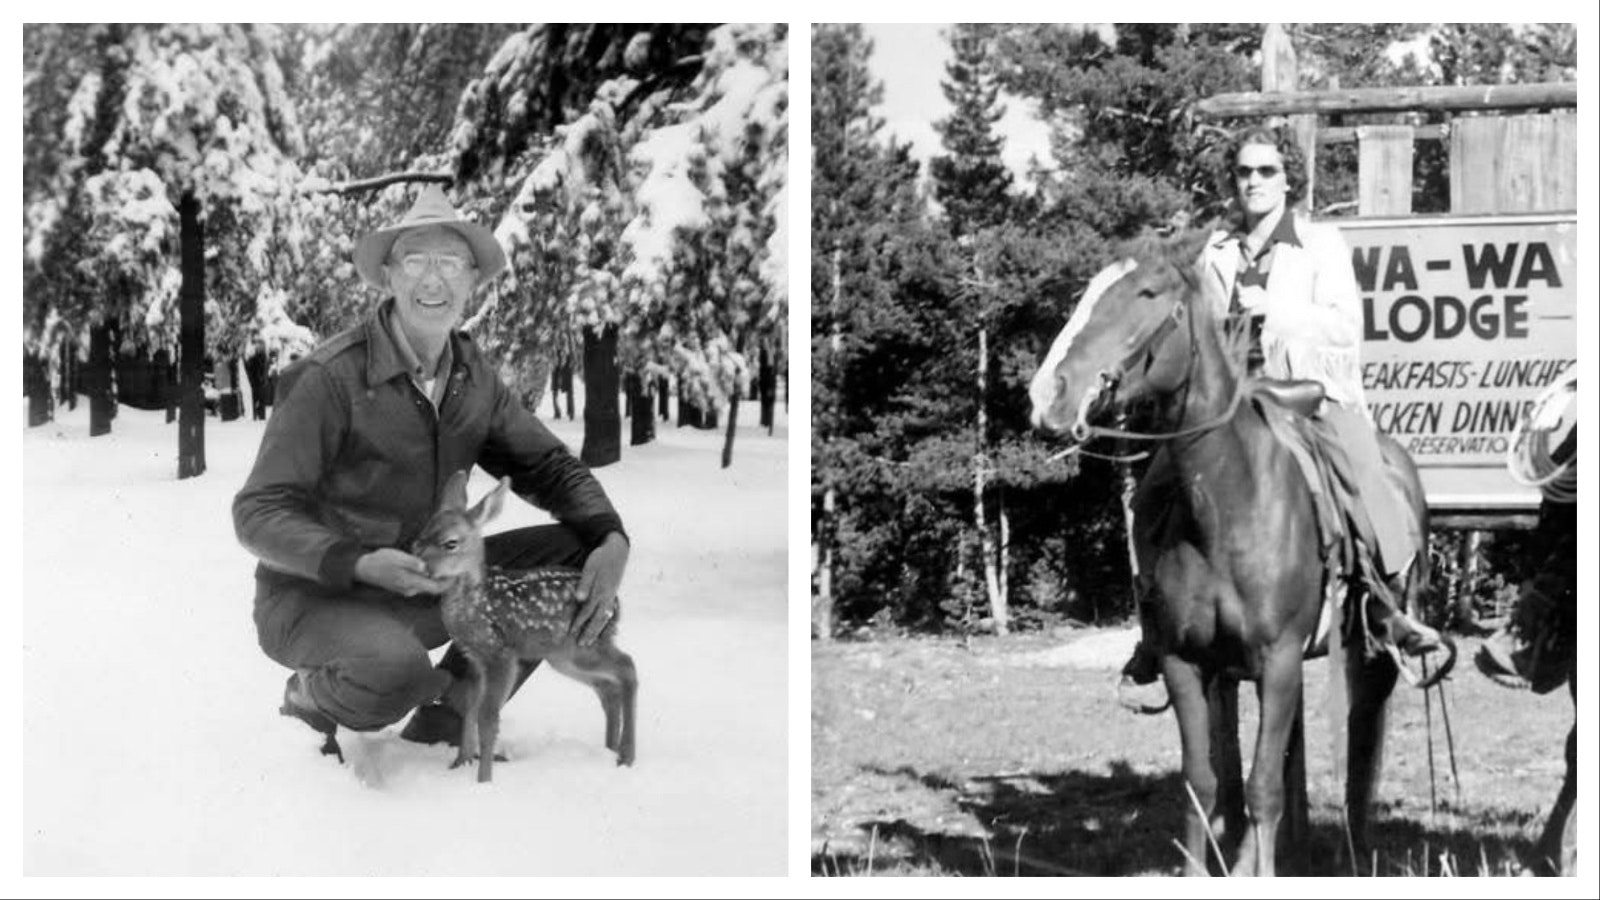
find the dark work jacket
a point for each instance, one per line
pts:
(354, 457)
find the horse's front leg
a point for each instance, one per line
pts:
(1187, 686)
(1280, 704)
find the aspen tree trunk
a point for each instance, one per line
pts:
(1005, 549)
(822, 605)
(980, 477)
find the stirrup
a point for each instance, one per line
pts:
(1420, 640)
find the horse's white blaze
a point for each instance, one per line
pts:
(1042, 390)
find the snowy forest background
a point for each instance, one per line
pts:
(936, 290)
(192, 195)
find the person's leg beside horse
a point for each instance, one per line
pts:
(1394, 542)
(521, 548)
(1139, 688)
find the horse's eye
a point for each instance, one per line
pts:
(451, 544)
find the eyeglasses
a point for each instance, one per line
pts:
(415, 265)
(1267, 173)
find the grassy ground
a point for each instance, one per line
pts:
(1011, 757)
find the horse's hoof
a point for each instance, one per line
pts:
(1145, 699)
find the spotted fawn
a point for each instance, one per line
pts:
(500, 617)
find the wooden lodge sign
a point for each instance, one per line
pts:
(1467, 319)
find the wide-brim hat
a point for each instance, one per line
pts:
(431, 208)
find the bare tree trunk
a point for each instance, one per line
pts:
(36, 384)
(664, 398)
(767, 387)
(102, 401)
(192, 339)
(229, 403)
(170, 394)
(733, 421)
(71, 371)
(641, 412)
(602, 422)
(980, 478)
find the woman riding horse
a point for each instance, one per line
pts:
(1231, 550)
(1293, 279)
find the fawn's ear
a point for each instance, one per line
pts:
(455, 492)
(490, 505)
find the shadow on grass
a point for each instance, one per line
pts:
(1127, 822)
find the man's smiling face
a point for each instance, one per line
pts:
(431, 273)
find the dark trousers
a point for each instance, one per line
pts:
(364, 653)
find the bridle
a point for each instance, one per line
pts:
(1083, 431)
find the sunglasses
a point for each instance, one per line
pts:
(1267, 173)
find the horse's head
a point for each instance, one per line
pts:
(1130, 338)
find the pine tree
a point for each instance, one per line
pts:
(971, 181)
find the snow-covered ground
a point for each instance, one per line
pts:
(152, 742)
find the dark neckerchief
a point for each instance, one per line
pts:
(1254, 269)
(1253, 272)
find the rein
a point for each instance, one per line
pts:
(1083, 431)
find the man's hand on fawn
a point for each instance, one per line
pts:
(597, 587)
(397, 571)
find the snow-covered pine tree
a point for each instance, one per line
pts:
(199, 110)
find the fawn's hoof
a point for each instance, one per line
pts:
(460, 761)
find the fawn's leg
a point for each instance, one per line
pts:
(499, 674)
(469, 717)
(629, 689)
(610, 672)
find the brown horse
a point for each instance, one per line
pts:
(1226, 544)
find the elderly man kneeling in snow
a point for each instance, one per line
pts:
(368, 429)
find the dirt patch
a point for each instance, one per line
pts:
(1011, 756)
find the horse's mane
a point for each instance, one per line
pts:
(1177, 245)
(1181, 246)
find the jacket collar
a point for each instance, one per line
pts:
(1283, 233)
(386, 359)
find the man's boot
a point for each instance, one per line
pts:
(297, 703)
